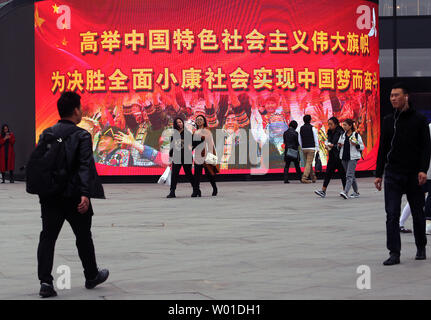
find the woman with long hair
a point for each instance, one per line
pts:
(180, 155)
(351, 147)
(7, 153)
(203, 138)
(335, 131)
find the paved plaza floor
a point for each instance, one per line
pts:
(255, 240)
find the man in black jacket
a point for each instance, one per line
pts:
(74, 204)
(290, 139)
(404, 156)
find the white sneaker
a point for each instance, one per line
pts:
(320, 193)
(428, 227)
(344, 195)
(355, 195)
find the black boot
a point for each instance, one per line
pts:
(3, 177)
(196, 193)
(421, 254)
(11, 178)
(214, 189)
(171, 194)
(286, 172)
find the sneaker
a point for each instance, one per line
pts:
(355, 195)
(428, 227)
(404, 230)
(344, 195)
(100, 278)
(305, 181)
(47, 290)
(320, 193)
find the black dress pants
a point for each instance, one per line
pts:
(54, 212)
(334, 163)
(287, 166)
(396, 185)
(176, 172)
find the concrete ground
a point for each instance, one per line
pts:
(256, 240)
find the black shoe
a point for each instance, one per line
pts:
(286, 181)
(421, 255)
(404, 230)
(100, 278)
(47, 290)
(196, 193)
(392, 260)
(171, 195)
(215, 191)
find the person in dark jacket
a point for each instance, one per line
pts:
(290, 138)
(74, 205)
(403, 158)
(180, 155)
(335, 131)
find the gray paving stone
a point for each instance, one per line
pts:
(256, 240)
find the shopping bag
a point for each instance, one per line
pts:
(165, 178)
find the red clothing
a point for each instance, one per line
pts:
(11, 154)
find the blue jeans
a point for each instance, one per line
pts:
(396, 185)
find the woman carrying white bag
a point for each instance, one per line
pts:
(204, 159)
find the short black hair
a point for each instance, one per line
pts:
(293, 124)
(67, 103)
(401, 85)
(307, 118)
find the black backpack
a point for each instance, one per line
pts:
(47, 169)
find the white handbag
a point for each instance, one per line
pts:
(211, 159)
(165, 178)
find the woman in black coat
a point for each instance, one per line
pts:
(334, 162)
(181, 155)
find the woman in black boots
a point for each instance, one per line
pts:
(7, 153)
(204, 143)
(181, 155)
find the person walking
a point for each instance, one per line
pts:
(203, 135)
(407, 211)
(335, 131)
(403, 158)
(291, 153)
(7, 153)
(73, 202)
(181, 156)
(309, 143)
(351, 147)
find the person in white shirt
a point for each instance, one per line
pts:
(309, 143)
